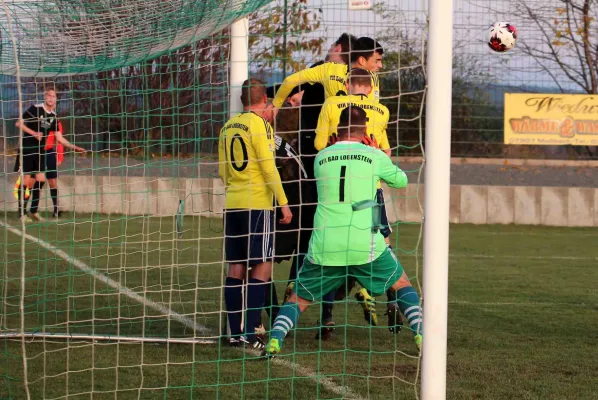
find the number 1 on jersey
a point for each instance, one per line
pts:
(341, 188)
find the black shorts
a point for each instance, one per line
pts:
(51, 170)
(248, 236)
(385, 229)
(33, 163)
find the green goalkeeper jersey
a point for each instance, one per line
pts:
(347, 175)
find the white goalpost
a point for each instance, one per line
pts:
(437, 199)
(113, 292)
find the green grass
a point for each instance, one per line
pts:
(523, 318)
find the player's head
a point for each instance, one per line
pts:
(352, 124)
(367, 54)
(359, 81)
(50, 97)
(253, 93)
(340, 50)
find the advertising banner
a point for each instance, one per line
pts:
(551, 119)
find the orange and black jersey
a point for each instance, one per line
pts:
(38, 119)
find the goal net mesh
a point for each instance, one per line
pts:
(122, 296)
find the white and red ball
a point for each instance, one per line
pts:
(502, 36)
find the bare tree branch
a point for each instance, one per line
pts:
(571, 49)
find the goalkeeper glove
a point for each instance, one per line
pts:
(370, 140)
(333, 139)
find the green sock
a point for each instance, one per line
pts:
(408, 302)
(285, 321)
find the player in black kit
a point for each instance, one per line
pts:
(36, 123)
(311, 105)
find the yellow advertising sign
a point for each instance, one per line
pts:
(551, 119)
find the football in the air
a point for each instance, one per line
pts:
(502, 36)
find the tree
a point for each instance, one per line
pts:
(176, 103)
(476, 123)
(565, 41)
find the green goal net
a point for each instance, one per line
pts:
(121, 296)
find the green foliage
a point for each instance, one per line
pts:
(274, 41)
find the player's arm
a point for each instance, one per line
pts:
(323, 128)
(265, 158)
(383, 141)
(391, 174)
(60, 147)
(29, 115)
(61, 140)
(311, 75)
(222, 166)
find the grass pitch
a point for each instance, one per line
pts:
(523, 318)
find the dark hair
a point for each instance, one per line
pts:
(253, 92)
(352, 120)
(360, 77)
(366, 47)
(348, 43)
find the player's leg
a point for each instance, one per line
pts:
(271, 305)
(261, 241)
(326, 321)
(394, 317)
(387, 273)
(409, 303)
(40, 179)
(31, 172)
(385, 228)
(287, 319)
(52, 177)
(20, 188)
(236, 231)
(313, 281)
(307, 210)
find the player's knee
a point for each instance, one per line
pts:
(40, 177)
(236, 271)
(262, 271)
(300, 301)
(403, 282)
(52, 183)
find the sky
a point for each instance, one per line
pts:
(471, 19)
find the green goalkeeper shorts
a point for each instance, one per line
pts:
(314, 281)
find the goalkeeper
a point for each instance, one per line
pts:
(346, 241)
(359, 86)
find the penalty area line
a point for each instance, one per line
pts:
(345, 391)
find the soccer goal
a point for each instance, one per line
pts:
(115, 288)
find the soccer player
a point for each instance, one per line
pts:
(36, 123)
(248, 170)
(359, 86)
(311, 103)
(346, 241)
(54, 155)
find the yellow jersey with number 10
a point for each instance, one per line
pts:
(246, 164)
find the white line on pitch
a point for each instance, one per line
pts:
(112, 283)
(345, 391)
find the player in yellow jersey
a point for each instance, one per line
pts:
(331, 75)
(248, 169)
(367, 53)
(359, 86)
